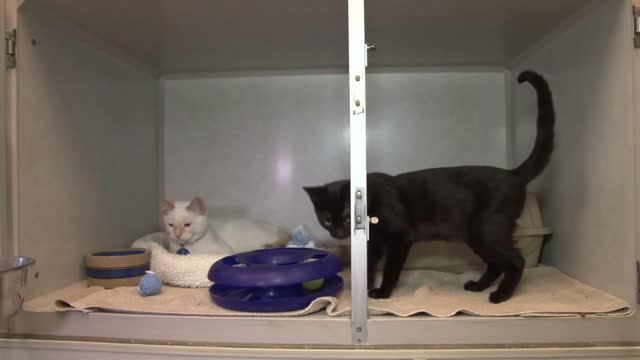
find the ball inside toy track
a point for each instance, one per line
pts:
(313, 285)
(150, 284)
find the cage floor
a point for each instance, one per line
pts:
(544, 291)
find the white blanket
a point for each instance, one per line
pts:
(544, 291)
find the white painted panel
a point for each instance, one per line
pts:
(249, 143)
(11, 17)
(589, 190)
(234, 35)
(318, 329)
(86, 139)
(636, 98)
(9, 108)
(423, 120)
(70, 350)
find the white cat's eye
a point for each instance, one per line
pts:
(187, 225)
(171, 225)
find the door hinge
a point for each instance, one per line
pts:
(360, 212)
(636, 27)
(10, 48)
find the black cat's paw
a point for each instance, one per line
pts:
(379, 294)
(497, 297)
(370, 285)
(474, 286)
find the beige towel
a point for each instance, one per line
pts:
(544, 291)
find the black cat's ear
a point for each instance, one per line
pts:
(316, 193)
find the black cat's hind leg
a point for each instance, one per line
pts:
(487, 279)
(478, 243)
(493, 242)
(513, 266)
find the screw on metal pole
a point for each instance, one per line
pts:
(357, 77)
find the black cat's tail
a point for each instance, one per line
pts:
(541, 154)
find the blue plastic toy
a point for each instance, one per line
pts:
(150, 284)
(183, 251)
(301, 237)
(274, 280)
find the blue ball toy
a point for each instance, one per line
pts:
(150, 284)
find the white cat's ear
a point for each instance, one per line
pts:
(197, 206)
(166, 206)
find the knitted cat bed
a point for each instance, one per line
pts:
(191, 270)
(177, 270)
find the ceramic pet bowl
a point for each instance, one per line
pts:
(13, 282)
(116, 268)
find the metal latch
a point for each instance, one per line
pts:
(368, 48)
(636, 27)
(360, 216)
(10, 48)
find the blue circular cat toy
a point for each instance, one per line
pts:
(274, 280)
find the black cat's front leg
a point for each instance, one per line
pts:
(374, 252)
(396, 256)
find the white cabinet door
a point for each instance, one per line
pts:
(4, 241)
(636, 90)
(7, 111)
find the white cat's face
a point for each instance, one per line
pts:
(184, 222)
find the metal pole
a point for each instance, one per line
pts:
(358, 149)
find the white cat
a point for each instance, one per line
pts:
(187, 226)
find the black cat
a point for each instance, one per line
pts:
(475, 204)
